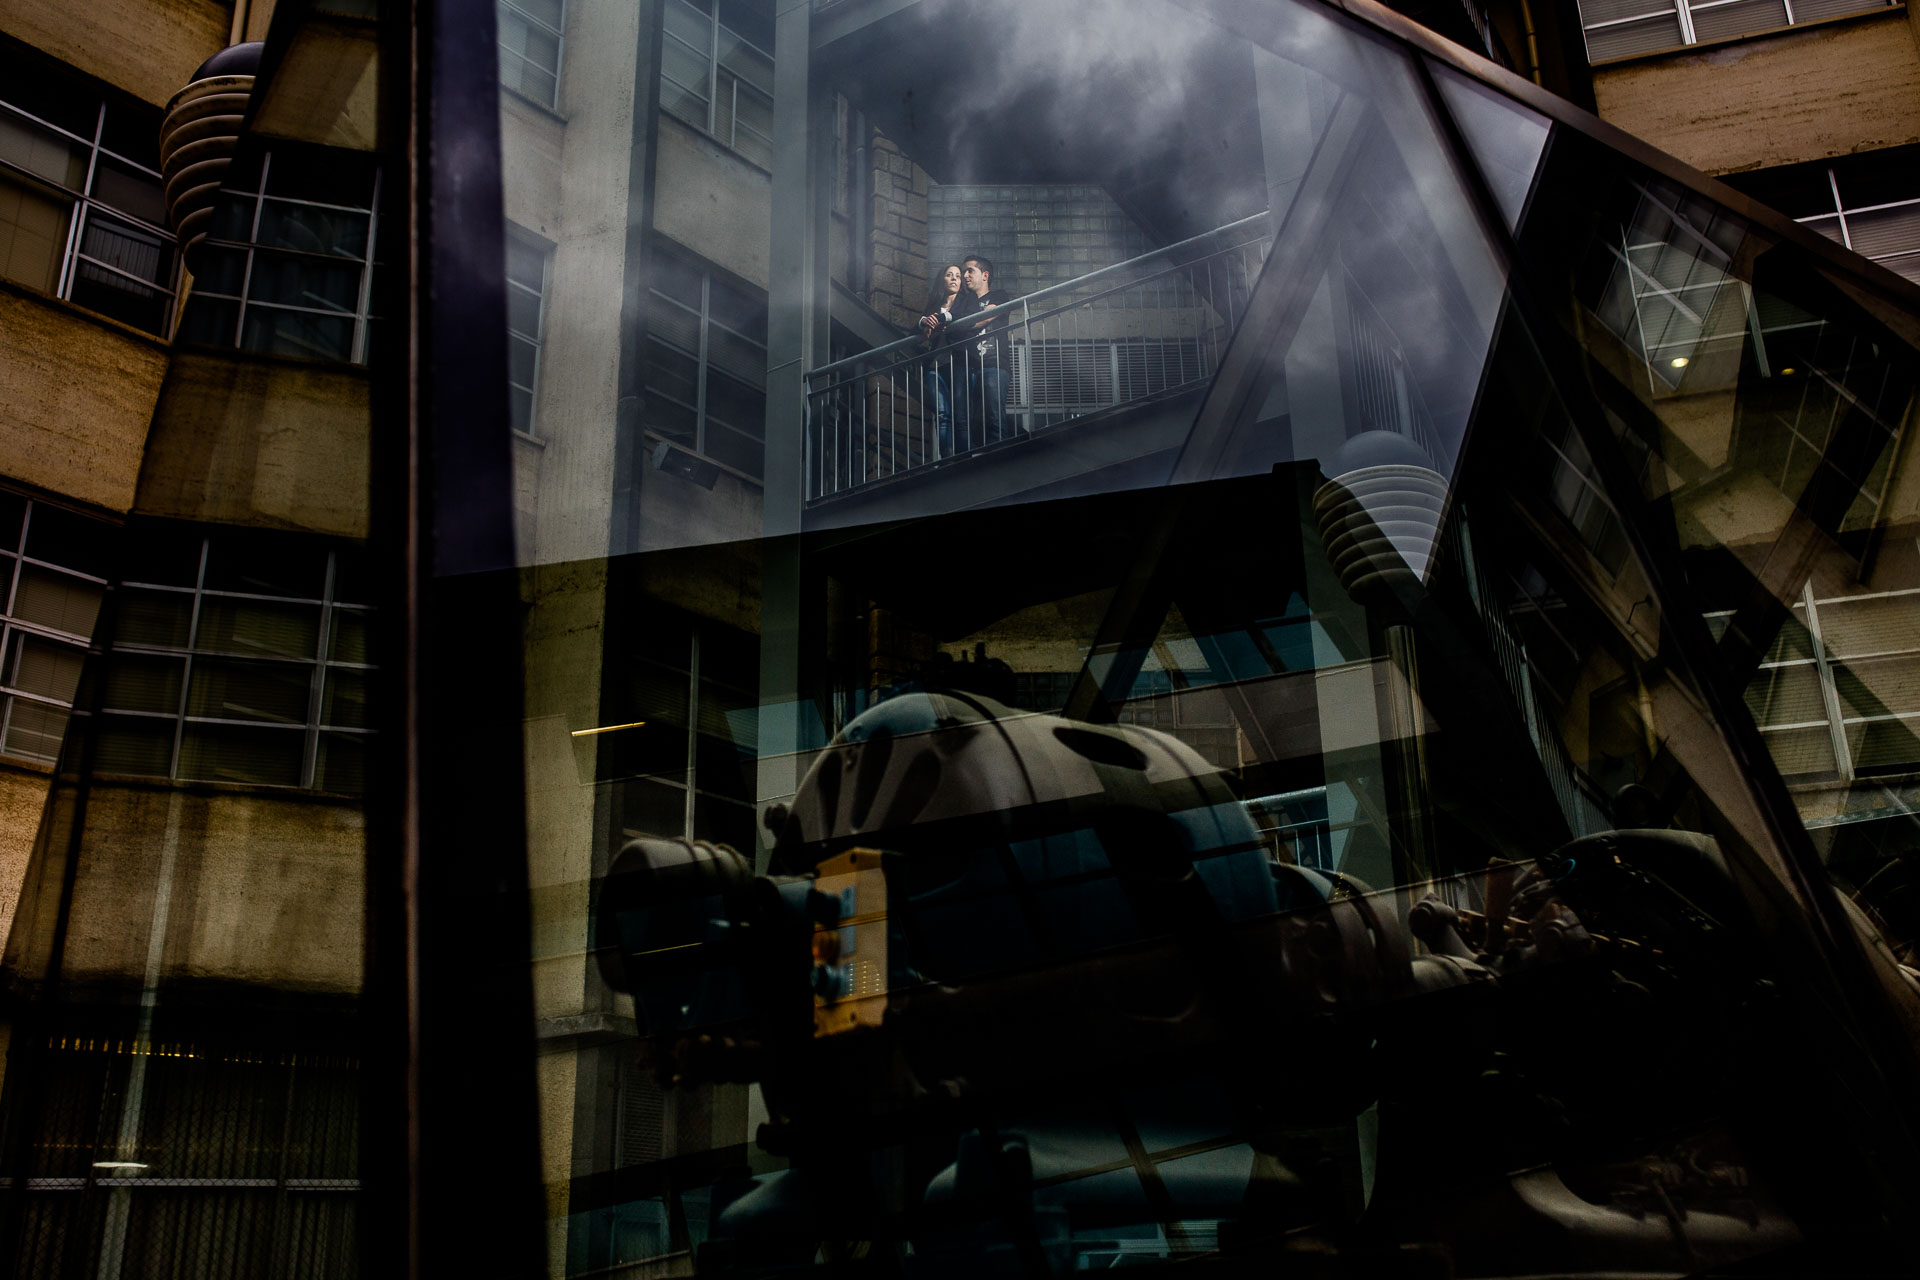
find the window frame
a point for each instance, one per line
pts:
(703, 364)
(85, 205)
(715, 69)
(1683, 10)
(16, 561)
(505, 7)
(359, 343)
(318, 666)
(536, 339)
(1840, 214)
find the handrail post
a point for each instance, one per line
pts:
(1026, 373)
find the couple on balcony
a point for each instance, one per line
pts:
(970, 357)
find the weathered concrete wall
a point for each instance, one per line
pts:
(901, 272)
(713, 202)
(256, 440)
(569, 182)
(1802, 95)
(76, 395)
(265, 888)
(23, 798)
(150, 48)
(326, 89)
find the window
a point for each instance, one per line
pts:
(717, 75)
(82, 216)
(1872, 225)
(706, 364)
(530, 42)
(238, 661)
(527, 260)
(1623, 28)
(52, 565)
(286, 264)
(1839, 692)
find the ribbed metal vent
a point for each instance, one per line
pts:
(198, 137)
(1379, 523)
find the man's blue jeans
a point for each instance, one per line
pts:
(986, 407)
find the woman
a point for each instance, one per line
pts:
(933, 324)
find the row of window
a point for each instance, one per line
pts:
(82, 215)
(233, 660)
(1626, 28)
(716, 65)
(1839, 694)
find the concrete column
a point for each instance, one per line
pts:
(798, 297)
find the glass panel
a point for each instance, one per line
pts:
(250, 691)
(1264, 636)
(1629, 38)
(257, 627)
(304, 282)
(44, 668)
(130, 191)
(56, 600)
(295, 333)
(1507, 139)
(224, 753)
(33, 233)
(42, 152)
(1738, 18)
(311, 230)
(35, 729)
(140, 683)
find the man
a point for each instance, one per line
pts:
(984, 344)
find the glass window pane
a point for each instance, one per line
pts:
(265, 567)
(304, 282)
(138, 746)
(334, 232)
(257, 627)
(130, 191)
(70, 540)
(1725, 20)
(43, 152)
(34, 729)
(138, 682)
(346, 700)
(228, 753)
(295, 333)
(349, 636)
(44, 667)
(33, 233)
(160, 619)
(56, 600)
(341, 763)
(250, 691)
(1629, 38)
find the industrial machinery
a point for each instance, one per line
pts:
(1028, 996)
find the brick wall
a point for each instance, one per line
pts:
(901, 274)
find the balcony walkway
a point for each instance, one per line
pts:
(1086, 361)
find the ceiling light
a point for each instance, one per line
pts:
(1679, 362)
(606, 728)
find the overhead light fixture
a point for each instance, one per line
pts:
(675, 461)
(122, 1168)
(606, 728)
(1679, 362)
(1789, 369)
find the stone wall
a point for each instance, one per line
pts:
(901, 274)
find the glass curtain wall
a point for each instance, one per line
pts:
(1422, 776)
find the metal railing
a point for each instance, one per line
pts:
(1126, 334)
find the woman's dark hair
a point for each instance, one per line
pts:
(938, 297)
